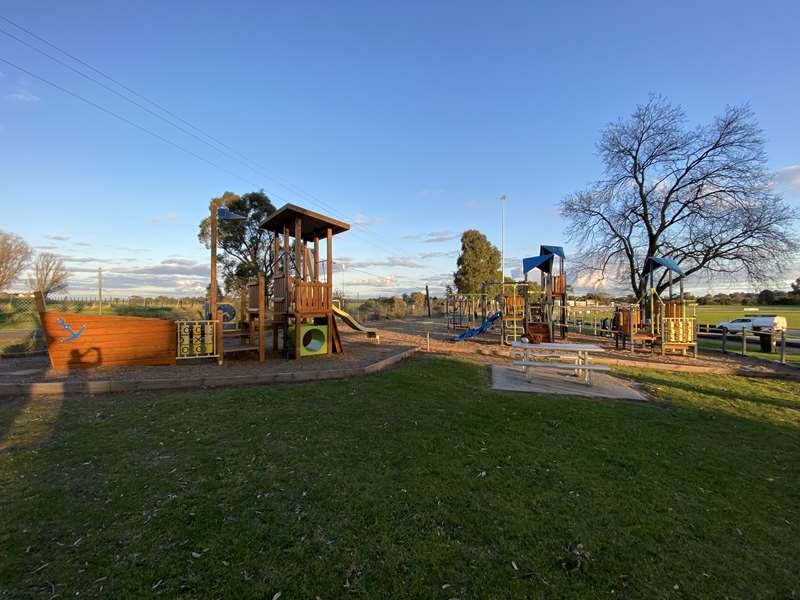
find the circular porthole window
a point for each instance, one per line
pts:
(313, 340)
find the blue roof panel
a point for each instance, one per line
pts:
(557, 250)
(654, 262)
(543, 263)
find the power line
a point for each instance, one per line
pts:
(126, 120)
(220, 145)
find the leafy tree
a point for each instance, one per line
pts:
(417, 301)
(796, 286)
(766, 297)
(14, 256)
(700, 196)
(49, 276)
(478, 263)
(245, 248)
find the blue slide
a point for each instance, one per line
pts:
(487, 324)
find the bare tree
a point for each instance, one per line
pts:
(49, 274)
(701, 196)
(14, 256)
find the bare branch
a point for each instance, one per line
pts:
(701, 197)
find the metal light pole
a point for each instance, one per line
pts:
(503, 237)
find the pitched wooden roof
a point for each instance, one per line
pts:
(313, 224)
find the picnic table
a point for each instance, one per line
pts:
(577, 354)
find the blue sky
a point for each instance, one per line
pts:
(409, 119)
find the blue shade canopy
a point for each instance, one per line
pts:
(654, 262)
(223, 212)
(544, 263)
(557, 250)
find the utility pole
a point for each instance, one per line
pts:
(503, 237)
(100, 290)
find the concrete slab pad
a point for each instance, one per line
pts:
(550, 382)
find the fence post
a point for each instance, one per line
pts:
(724, 341)
(783, 347)
(744, 341)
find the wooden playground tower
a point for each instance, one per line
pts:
(655, 322)
(302, 303)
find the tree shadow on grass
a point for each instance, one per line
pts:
(730, 396)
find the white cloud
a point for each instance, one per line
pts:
(788, 178)
(167, 217)
(440, 236)
(373, 282)
(364, 221)
(83, 259)
(391, 261)
(438, 254)
(432, 237)
(129, 249)
(181, 262)
(57, 238)
(22, 97)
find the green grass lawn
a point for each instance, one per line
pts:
(718, 314)
(416, 483)
(734, 346)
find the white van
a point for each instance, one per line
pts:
(755, 323)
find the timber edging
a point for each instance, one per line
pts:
(61, 389)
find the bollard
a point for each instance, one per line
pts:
(744, 342)
(783, 347)
(724, 340)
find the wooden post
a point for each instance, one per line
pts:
(244, 312)
(220, 335)
(316, 258)
(212, 288)
(305, 261)
(298, 248)
(287, 290)
(262, 315)
(329, 265)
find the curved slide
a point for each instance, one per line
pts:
(479, 330)
(353, 324)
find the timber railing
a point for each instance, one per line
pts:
(312, 297)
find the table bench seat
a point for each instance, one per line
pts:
(526, 355)
(554, 365)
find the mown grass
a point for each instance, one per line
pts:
(416, 483)
(734, 346)
(717, 314)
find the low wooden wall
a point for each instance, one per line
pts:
(76, 340)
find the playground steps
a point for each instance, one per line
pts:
(242, 348)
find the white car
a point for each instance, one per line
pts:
(759, 323)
